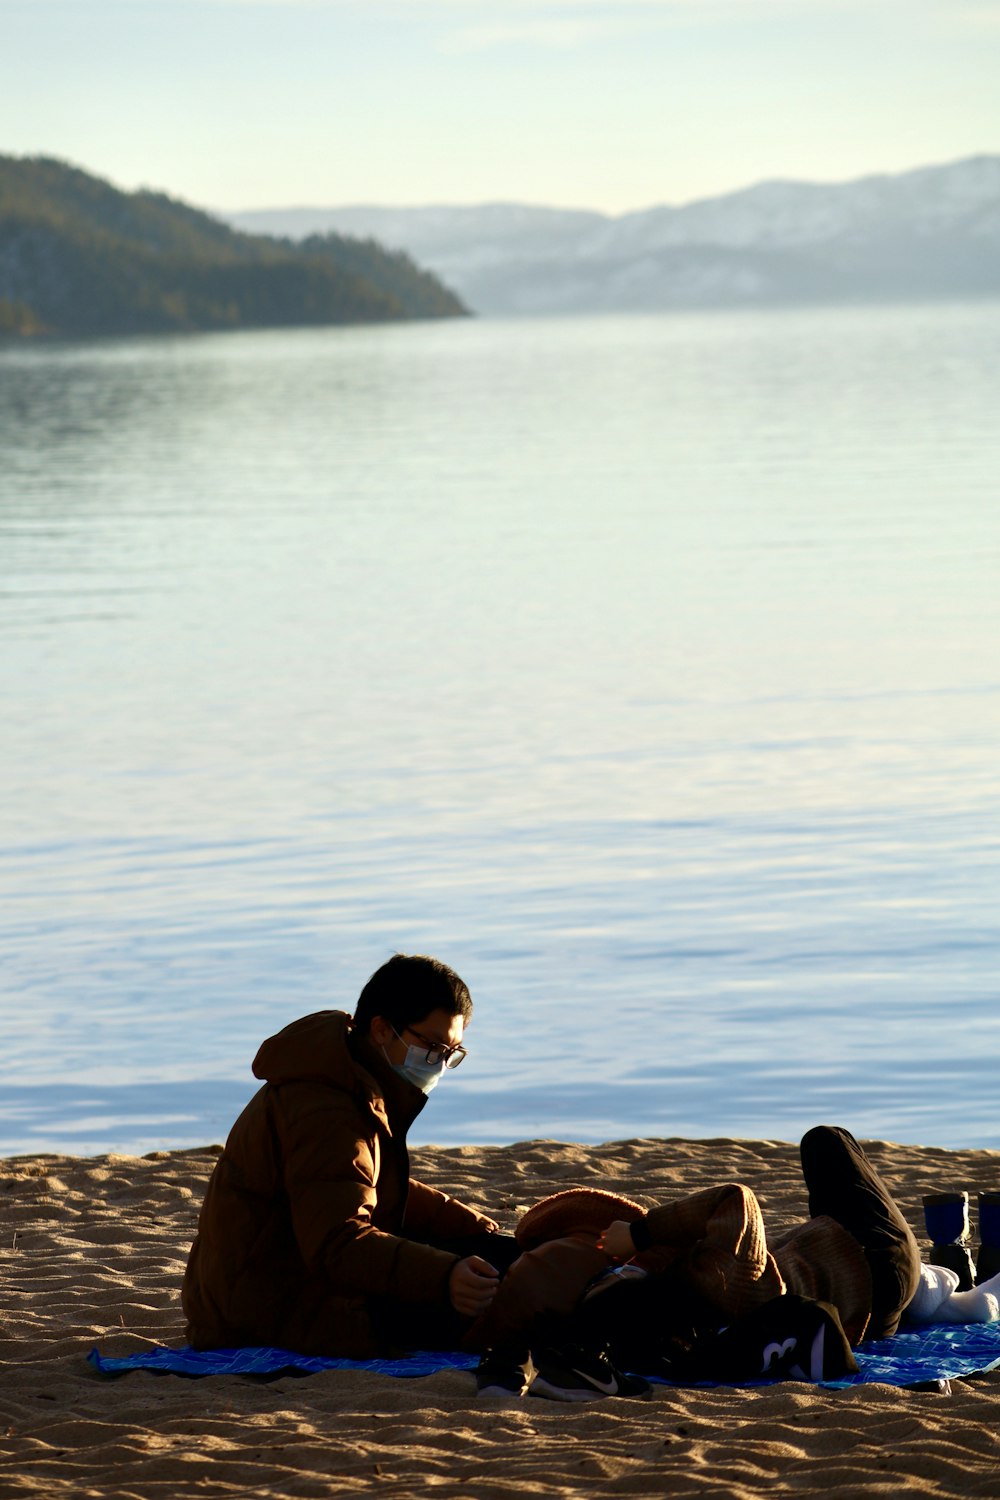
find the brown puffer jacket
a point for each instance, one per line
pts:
(310, 1212)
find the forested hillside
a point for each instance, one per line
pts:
(79, 257)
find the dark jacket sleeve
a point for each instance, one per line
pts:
(718, 1236)
(330, 1170)
(431, 1212)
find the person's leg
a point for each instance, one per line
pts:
(542, 1284)
(844, 1185)
(541, 1287)
(404, 1326)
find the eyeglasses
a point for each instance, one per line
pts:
(436, 1051)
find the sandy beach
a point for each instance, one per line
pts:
(93, 1250)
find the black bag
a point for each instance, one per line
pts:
(788, 1338)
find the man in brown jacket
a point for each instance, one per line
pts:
(313, 1236)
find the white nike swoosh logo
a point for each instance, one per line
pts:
(609, 1387)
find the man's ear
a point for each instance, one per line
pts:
(380, 1031)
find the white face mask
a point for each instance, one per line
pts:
(417, 1070)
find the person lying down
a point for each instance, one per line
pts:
(695, 1290)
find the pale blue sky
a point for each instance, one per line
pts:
(269, 103)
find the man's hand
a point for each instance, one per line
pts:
(472, 1286)
(617, 1241)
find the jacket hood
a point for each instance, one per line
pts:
(313, 1047)
(325, 1046)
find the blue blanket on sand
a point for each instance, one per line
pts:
(916, 1357)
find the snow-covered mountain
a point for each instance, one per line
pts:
(932, 232)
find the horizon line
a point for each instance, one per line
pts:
(779, 180)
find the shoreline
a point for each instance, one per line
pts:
(93, 1251)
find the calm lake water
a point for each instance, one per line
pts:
(647, 670)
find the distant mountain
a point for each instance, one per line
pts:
(79, 257)
(929, 233)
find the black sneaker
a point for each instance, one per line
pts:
(503, 1374)
(576, 1374)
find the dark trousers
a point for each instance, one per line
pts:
(843, 1184)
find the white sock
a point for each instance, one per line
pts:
(973, 1306)
(936, 1285)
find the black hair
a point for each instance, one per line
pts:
(408, 988)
